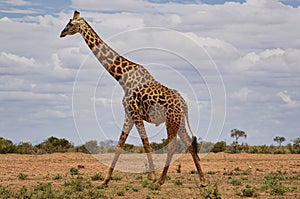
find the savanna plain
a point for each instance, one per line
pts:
(79, 175)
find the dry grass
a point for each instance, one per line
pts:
(229, 176)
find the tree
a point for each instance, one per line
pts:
(296, 142)
(92, 146)
(295, 148)
(237, 134)
(279, 140)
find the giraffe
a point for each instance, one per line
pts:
(145, 99)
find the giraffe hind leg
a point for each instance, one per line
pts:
(172, 130)
(171, 150)
(188, 142)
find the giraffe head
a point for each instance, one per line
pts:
(73, 26)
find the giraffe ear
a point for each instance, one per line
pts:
(76, 15)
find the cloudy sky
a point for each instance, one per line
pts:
(237, 63)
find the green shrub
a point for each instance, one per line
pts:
(26, 148)
(116, 177)
(78, 184)
(5, 192)
(178, 181)
(219, 147)
(278, 190)
(97, 176)
(121, 192)
(272, 183)
(22, 176)
(145, 183)
(74, 171)
(57, 177)
(43, 190)
(53, 144)
(7, 146)
(153, 186)
(249, 192)
(236, 182)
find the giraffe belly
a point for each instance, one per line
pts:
(157, 114)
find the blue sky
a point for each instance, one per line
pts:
(254, 44)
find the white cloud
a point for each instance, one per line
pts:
(19, 11)
(16, 60)
(57, 114)
(241, 94)
(114, 5)
(17, 2)
(288, 100)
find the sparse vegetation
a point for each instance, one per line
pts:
(74, 171)
(22, 176)
(236, 181)
(178, 181)
(97, 176)
(238, 175)
(249, 191)
(57, 177)
(240, 182)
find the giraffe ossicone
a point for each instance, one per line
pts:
(145, 99)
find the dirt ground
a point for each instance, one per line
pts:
(228, 176)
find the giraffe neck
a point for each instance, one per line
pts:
(119, 67)
(105, 54)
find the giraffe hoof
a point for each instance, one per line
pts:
(105, 182)
(161, 182)
(203, 184)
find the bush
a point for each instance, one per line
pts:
(206, 147)
(97, 176)
(249, 192)
(53, 144)
(219, 147)
(26, 148)
(7, 146)
(128, 147)
(295, 147)
(22, 176)
(92, 147)
(74, 171)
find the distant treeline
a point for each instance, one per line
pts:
(60, 145)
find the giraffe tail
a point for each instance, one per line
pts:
(194, 138)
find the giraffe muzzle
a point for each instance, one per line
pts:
(62, 34)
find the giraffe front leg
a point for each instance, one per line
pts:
(141, 129)
(128, 124)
